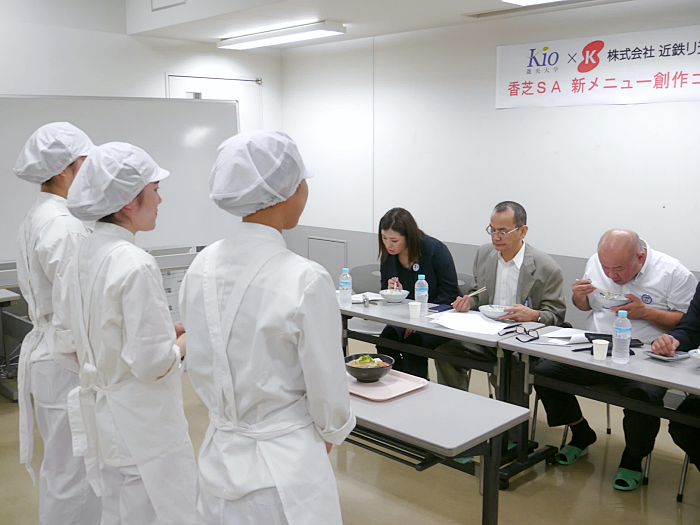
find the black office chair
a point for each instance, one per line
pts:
(366, 278)
(465, 282)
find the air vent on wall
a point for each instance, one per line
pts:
(555, 6)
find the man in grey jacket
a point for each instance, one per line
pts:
(513, 273)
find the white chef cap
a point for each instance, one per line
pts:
(110, 178)
(255, 170)
(50, 150)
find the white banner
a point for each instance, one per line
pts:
(630, 68)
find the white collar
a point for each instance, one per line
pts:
(647, 263)
(107, 228)
(260, 230)
(517, 260)
(45, 196)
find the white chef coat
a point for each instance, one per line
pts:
(507, 277)
(287, 369)
(47, 238)
(662, 283)
(138, 412)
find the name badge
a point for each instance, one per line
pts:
(646, 298)
(416, 267)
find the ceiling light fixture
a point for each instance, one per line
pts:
(530, 2)
(283, 36)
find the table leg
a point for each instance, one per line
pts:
(345, 334)
(6, 389)
(490, 468)
(502, 372)
(520, 397)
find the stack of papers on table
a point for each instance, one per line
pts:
(358, 298)
(564, 337)
(470, 322)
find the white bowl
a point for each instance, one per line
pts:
(493, 311)
(695, 356)
(394, 296)
(610, 300)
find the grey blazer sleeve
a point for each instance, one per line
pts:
(541, 283)
(553, 305)
(484, 272)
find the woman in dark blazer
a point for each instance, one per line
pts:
(405, 252)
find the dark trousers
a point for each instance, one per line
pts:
(405, 362)
(686, 437)
(563, 409)
(459, 376)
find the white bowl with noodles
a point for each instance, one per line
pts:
(695, 356)
(394, 296)
(493, 311)
(609, 300)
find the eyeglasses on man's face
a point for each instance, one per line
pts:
(499, 233)
(523, 334)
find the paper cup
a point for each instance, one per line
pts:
(600, 349)
(414, 309)
(337, 295)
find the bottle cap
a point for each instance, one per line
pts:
(622, 313)
(345, 270)
(421, 276)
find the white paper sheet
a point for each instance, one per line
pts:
(470, 322)
(359, 299)
(552, 342)
(570, 336)
(565, 332)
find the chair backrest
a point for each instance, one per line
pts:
(465, 282)
(366, 278)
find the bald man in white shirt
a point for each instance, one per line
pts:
(660, 289)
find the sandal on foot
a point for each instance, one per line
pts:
(464, 460)
(569, 454)
(627, 479)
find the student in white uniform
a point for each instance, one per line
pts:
(265, 354)
(47, 238)
(133, 422)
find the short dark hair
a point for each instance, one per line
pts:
(112, 217)
(50, 184)
(519, 213)
(403, 223)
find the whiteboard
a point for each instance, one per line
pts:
(181, 135)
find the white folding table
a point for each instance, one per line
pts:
(437, 423)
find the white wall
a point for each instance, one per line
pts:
(48, 60)
(99, 15)
(441, 150)
(328, 112)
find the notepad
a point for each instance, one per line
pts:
(358, 298)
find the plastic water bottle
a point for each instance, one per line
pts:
(345, 289)
(421, 294)
(622, 334)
